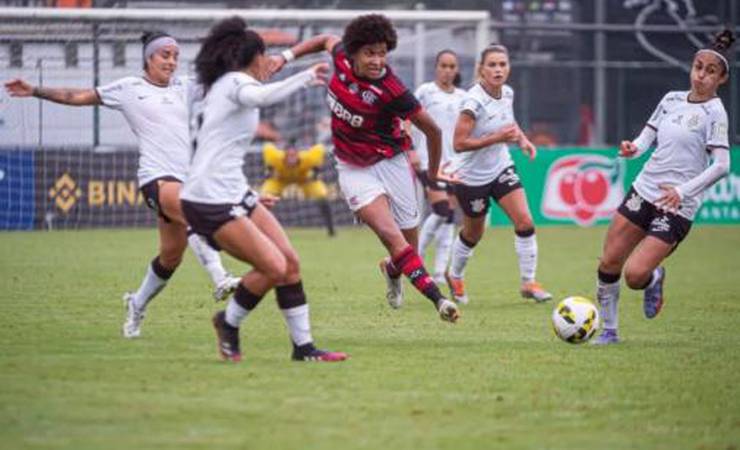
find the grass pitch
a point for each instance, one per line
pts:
(497, 379)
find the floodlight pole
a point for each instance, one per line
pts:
(600, 99)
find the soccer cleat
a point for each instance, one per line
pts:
(608, 336)
(652, 300)
(533, 290)
(228, 338)
(394, 286)
(457, 289)
(308, 352)
(132, 326)
(226, 287)
(448, 310)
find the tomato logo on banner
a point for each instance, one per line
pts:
(583, 188)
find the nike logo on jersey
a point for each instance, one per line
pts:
(142, 97)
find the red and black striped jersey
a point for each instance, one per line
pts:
(367, 115)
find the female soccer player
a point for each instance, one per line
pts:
(483, 166)
(441, 98)
(368, 104)
(216, 197)
(656, 214)
(156, 107)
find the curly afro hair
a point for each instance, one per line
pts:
(367, 30)
(229, 46)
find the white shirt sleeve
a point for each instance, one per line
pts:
(255, 94)
(719, 168)
(644, 141)
(113, 94)
(472, 106)
(717, 134)
(657, 116)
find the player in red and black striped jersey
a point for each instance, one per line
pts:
(368, 105)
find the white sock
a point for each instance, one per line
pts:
(444, 237)
(235, 313)
(298, 324)
(151, 285)
(608, 297)
(526, 250)
(460, 255)
(208, 257)
(428, 230)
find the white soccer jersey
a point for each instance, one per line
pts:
(443, 107)
(482, 166)
(227, 124)
(158, 116)
(685, 130)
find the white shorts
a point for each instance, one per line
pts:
(393, 178)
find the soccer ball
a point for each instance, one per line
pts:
(575, 320)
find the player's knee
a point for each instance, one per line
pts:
(293, 264)
(636, 277)
(471, 236)
(276, 269)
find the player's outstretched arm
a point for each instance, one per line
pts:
(424, 122)
(641, 144)
(64, 96)
(322, 42)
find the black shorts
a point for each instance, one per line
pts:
(150, 191)
(206, 218)
(438, 186)
(668, 227)
(474, 200)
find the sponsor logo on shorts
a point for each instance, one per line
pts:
(509, 177)
(634, 203)
(238, 211)
(478, 205)
(660, 224)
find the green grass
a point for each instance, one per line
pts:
(497, 379)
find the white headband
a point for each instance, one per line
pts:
(157, 44)
(718, 55)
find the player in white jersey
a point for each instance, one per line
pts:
(441, 98)
(692, 154)
(217, 199)
(155, 105)
(484, 170)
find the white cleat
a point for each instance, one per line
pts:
(448, 310)
(226, 287)
(394, 286)
(132, 325)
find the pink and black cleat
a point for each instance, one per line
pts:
(308, 352)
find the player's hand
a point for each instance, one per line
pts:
(18, 88)
(670, 200)
(275, 64)
(268, 200)
(627, 149)
(509, 133)
(320, 74)
(528, 148)
(443, 174)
